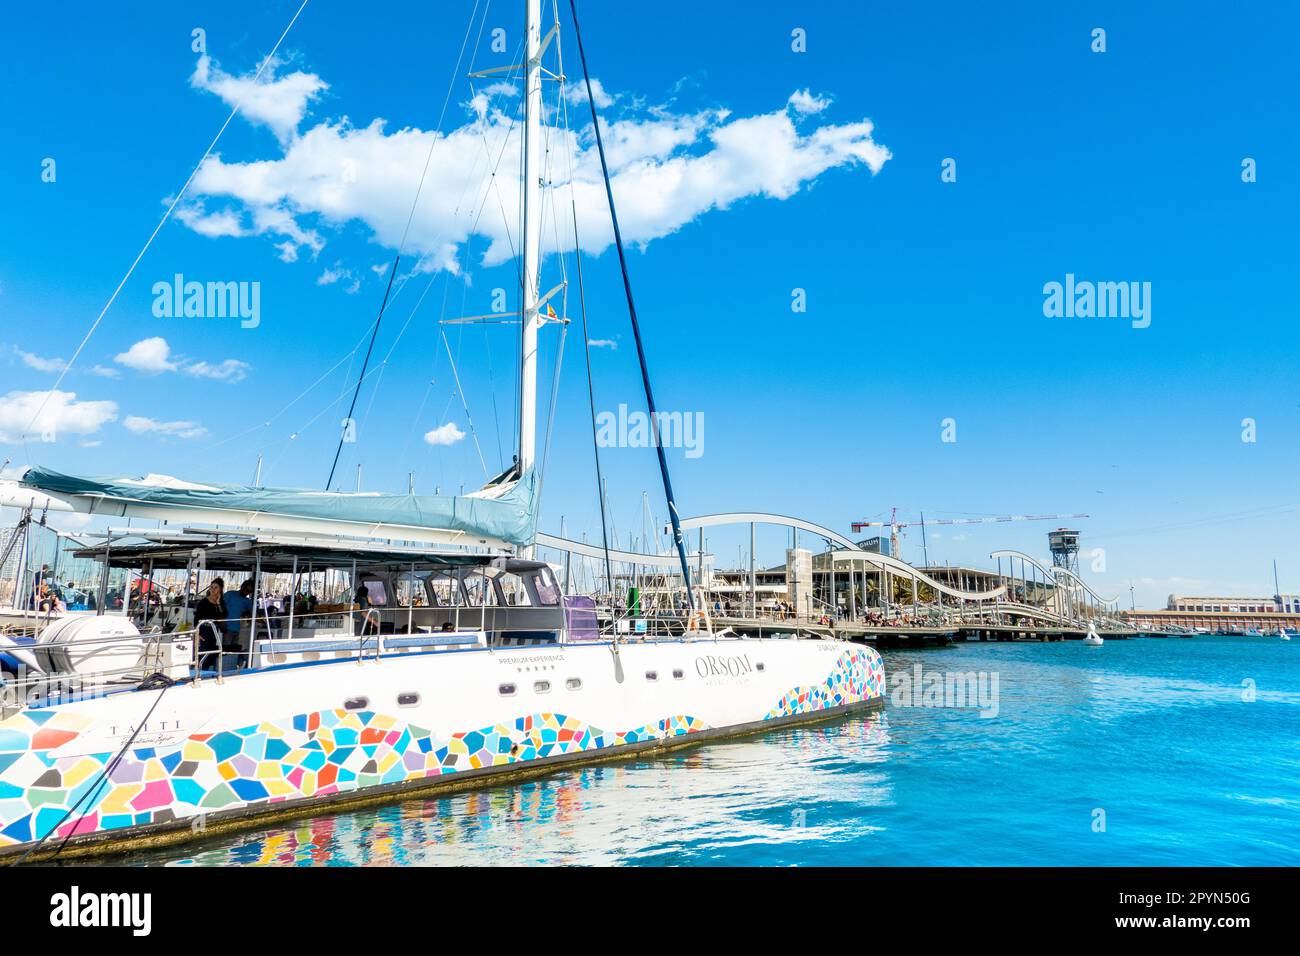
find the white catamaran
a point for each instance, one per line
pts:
(448, 656)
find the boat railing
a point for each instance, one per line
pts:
(652, 623)
(208, 651)
(145, 654)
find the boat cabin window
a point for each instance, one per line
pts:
(513, 589)
(444, 589)
(376, 592)
(406, 586)
(480, 590)
(548, 591)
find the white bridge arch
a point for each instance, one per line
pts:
(846, 552)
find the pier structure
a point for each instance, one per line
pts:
(859, 589)
(854, 589)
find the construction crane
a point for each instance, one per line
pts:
(894, 525)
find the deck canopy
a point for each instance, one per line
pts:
(276, 554)
(498, 516)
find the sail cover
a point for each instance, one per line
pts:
(499, 515)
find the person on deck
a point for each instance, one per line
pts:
(38, 581)
(239, 609)
(209, 618)
(362, 602)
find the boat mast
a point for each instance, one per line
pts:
(532, 233)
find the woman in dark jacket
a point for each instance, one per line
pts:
(211, 608)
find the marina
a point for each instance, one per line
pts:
(358, 508)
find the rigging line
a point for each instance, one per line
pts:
(326, 407)
(429, 449)
(301, 395)
(405, 325)
(550, 417)
(401, 246)
(338, 451)
(492, 185)
(428, 390)
(415, 419)
(158, 228)
(564, 329)
(415, 270)
(1272, 511)
(493, 188)
(374, 392)
(636, 329)
(478, 40)
(465, 404)
(492, 384)
(591, 397)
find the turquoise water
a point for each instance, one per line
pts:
(1190, 748)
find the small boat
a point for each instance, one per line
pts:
(1092, 638)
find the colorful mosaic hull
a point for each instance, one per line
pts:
(310, 755)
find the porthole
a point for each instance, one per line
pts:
(356, 703)
(574, 683)
(506, 690)
(541, 687)
(651, 675)
(678, 673)
(409, 699)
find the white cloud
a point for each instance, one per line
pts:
(41, 364)
(59, 414)
(340, 274)
(104, 371)
(668, 169)
(603, 343)
(223, 223)
(447, 434)
(805, 103)
(149, 426)
(231, 370)
(152, 355)
(577, 93)
(279, 104)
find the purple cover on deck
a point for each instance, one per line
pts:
(580, 618)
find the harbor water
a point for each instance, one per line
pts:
(1141, 752)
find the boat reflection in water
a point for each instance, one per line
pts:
(764, 793)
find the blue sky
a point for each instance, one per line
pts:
(924, 298)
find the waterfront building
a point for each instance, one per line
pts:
(1219, 614)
